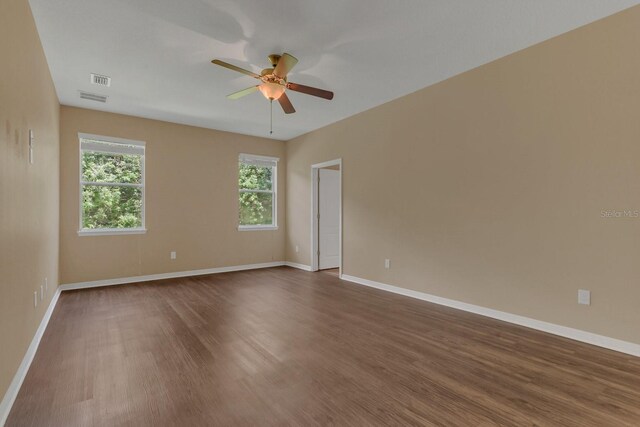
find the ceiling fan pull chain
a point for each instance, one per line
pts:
(271, 119)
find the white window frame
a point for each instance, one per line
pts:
(268, 162)
(111, 140)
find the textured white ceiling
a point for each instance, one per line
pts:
(368, 52)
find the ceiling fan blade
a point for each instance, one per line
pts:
(285, 64)
(286, 104)
(321, 93)
(234, 68)
(243, 92)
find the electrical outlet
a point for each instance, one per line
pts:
(297, 249)
(387, 263)
(584, 297)
(173, 255)
(35, 299)
(41, 292)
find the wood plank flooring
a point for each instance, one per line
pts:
(286, 347)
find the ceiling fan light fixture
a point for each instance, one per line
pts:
(271, 91)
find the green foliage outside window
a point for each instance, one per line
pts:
(256, 194)
(111, 206)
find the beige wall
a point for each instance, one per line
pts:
(191, 201)
(28, 192)
(488, 187)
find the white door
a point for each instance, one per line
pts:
(329, 221)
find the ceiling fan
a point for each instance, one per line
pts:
(274, 82)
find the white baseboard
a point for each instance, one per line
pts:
(299, 266)
(18, 378)
(563, 331)
(172, 275)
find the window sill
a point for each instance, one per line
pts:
(111, 231)
(257, 227)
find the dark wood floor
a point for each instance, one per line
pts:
(286, 347)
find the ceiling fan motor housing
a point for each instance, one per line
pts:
(267, 76)
(274, 58)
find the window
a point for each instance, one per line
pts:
(111, 185)
(257, 184)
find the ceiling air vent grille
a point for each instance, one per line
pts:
(99, 80)
(93, 97)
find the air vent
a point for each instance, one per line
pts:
(99, 80)
(93, 97)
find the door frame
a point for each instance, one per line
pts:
(314, 212)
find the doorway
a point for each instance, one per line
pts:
(326, 216)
